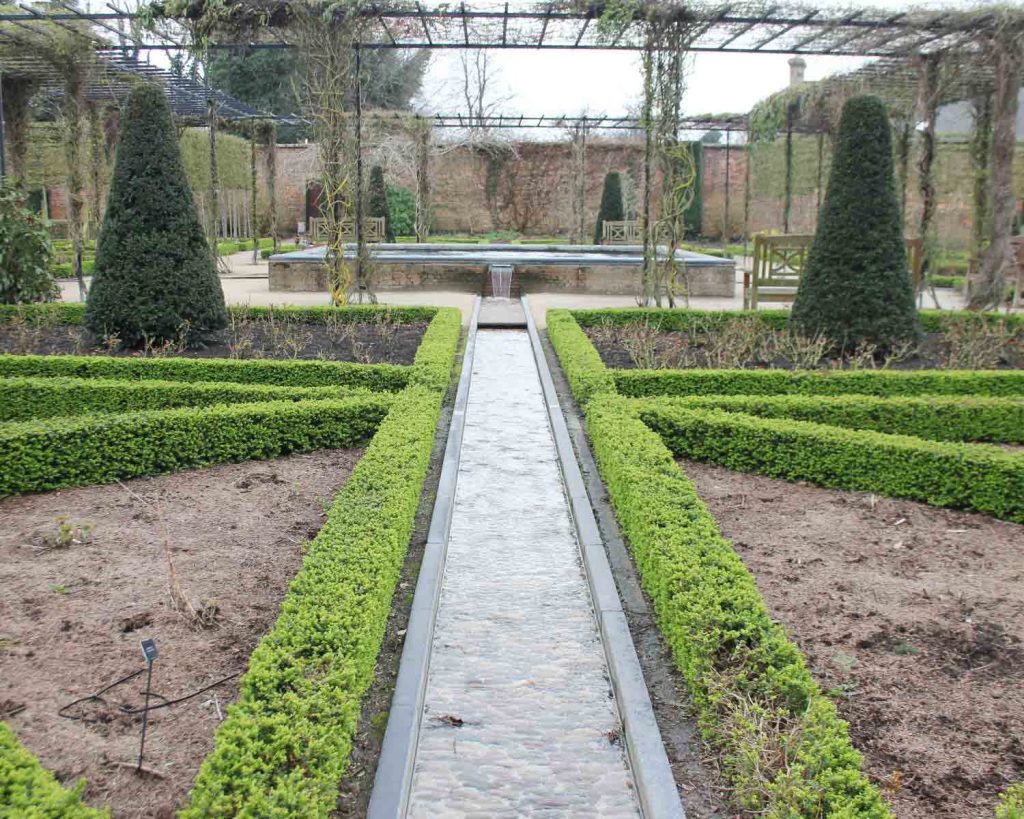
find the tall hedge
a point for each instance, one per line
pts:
(155, 277)
(855, 287)
(612, 209)
(377, 204)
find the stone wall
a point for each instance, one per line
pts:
(528, 187)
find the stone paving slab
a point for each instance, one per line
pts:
(519, 716)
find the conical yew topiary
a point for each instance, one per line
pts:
(855, 288)
(612, 209)
(155, 278)
(377, 204)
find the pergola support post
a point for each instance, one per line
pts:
(725, 204)
(270, 143)
(787, 202)
(361, 266)
(71, 115)
(998, 263)
(981, 146)
(579, 182)
(253, 226)
(927, 106)
(423, 132)
(903, 167)
(212, 193)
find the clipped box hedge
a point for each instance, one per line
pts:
(585, 371)
(965, 476)
(87, 449)
(285, 744)
(995, 383)
(29, 791)
(74, 313)
(749, 682)
(290, 373)
(24, 399)
(936, 418)
(932, 321)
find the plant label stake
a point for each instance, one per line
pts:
(149, 651)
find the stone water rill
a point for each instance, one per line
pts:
(519, 717)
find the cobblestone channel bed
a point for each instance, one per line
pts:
(519, 718)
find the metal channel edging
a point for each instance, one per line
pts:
(656, 787)
(393, 779)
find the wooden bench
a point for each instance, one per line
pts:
(373, 229)
(779, 262)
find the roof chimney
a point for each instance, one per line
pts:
(797, 66)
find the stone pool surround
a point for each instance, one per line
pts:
(602, 269)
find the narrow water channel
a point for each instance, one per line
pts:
(519, 717)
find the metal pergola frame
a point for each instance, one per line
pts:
(730, 27)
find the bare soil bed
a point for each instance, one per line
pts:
(911, 616)
(742, 346)
(71, 617)
(369, 343)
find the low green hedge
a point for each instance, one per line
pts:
(582, 364)
(288, 373)
(285, 744)
(29, 791)
(23, 399)
(749, 683)
(432, 365)
(932, 321)
(883, 383)
(74, 313)
(1011, 803)
(935, 418)
(88, 449)
(965, 476)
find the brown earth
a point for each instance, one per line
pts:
(910, 615)
(71, 617)
(371, 343)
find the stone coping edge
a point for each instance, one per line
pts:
(655, 783)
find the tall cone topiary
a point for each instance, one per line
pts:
(377, 203)
(611, 209)
(855, 288)
(155, 277)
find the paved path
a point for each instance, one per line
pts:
(519, 716)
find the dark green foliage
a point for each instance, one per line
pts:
(964, 476)
(749, 683)
(27, 789)
(639, 383)
(402, 207)
(935, 418)
(289, 373)
(377, 201)
(24, 399)
(87, 449)
(855, 287)
(25, 251)
(155, 276)
(586, 373)
(612, 208)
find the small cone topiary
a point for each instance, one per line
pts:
(855, 288)
(155, 278)
(377, 204)
(612, 209)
